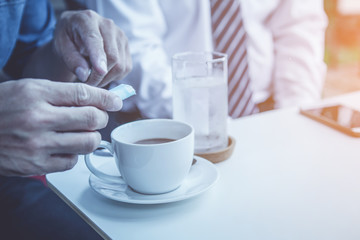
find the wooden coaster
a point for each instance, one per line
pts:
(221, 155)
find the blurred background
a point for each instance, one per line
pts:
(342, 45)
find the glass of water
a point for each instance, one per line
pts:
(200, 97)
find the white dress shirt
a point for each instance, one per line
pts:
(285, 47)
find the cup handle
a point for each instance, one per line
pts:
(98, 173)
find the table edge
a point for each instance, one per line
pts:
(78, 211)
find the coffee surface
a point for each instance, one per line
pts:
(154, 141)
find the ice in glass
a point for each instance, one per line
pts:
(200, 97)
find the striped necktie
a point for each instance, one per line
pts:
(230, 38)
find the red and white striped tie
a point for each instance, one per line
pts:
(230, 38)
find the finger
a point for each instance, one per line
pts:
(95, 78)
(99, 66)
(113, 55)
(72, 58)
(78, 119)
(112, 49)
(74, 142)
(127, 59)
(79, 94)
(122, 61)
(112, 75)
(61, 162)
(25, 165)
(92, 41)
(118, 54)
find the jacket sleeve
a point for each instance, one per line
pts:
(36, 29)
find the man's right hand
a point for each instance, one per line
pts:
(44, 125)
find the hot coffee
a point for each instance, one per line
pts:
(142, 150)
(154, 141)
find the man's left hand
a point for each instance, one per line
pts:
(92, 47)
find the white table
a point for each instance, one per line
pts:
(288, 178)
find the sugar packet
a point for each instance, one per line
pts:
(124, 91)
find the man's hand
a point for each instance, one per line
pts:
(44, 124)
(92, 47)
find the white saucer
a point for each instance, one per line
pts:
(203, 175)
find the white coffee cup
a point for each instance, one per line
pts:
(150, 168)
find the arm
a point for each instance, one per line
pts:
(298, 28)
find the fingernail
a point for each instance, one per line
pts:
(103, 66)
(117, 104)
(82, 73)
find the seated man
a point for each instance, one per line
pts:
(44, 125)
(285, 47)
